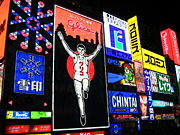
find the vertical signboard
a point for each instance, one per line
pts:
(143, 104)
(116, 37)
(29, 73)
(135, 39)
(170, 45)
(153, 61)
(1, 78)
(154, 81)
(4, 10)
(149, 94)
(178, 75)
(138, 66)
(79, 88)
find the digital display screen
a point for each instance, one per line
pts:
(116, 37)
(122, 102)
(29, 73)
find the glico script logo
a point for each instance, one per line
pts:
(155, 61)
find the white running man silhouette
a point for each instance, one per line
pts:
(81, 75)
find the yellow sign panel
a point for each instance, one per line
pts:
(135, 39)
(153, 61)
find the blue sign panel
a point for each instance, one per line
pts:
(18, 115)
(118, 54)
(115, 129)
(122, 102)
(149, 94)
(117, 36)
(29, 73)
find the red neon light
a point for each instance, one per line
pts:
(40, 128)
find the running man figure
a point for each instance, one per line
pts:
(81, 76)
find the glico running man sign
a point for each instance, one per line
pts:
(79, 89)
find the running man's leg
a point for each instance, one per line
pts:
(86, 84)
(78, 90)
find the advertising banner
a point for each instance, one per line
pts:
(154, 81)
(153, 61)
(17, 129)
(121, 71)
(135, 39)
(40, 128)
(79, 81)
(31, 26)
(29, 73)
(143, 105)
(178, 75)
(122, 102)
(170, 45)
(164, 85)
(139, 75)
(149, 94)
(4, 8)
(40, 114)
(116, 37)
(18, 115)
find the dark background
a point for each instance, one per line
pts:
(153, 16)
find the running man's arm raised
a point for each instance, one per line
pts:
(65, 45)
(93, 55)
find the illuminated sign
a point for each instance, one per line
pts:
(77, 69)
(4, 8)
(29, 73)
(158, 116)
(154, 81)
(168, 117)
(31, 25)
(40, 114)
(170, 45)
(126, 75)
(17, 129)
(178, 75)
(116, 37)
(143, 104)
(154, 61)
(138, 66)
(122, 102)
(135, 39)
(149, 94)
(18, 115)
(161, 103)
(115, 129)
(86, 133)
(40, 128)
(164, 85)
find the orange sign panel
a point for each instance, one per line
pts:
(4, 10)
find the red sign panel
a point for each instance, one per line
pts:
(40, 128)
(16, 129)
(86, 133)
(170, 45)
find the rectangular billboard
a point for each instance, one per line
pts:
(143, 105)
(18, 115)
(135, 39)
(79, 81)
(4, 10)
(139, 75)
(122, 102)
(116, 37)
(170, 45)
(121, 72)
(29, 73)
(153, 61)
